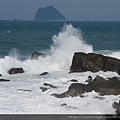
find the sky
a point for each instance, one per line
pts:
(83, 10)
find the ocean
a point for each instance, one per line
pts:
(59, 40)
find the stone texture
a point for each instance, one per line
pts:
(99, 85)
(16, 70)
(83, 62)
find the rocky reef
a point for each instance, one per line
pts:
(83, 62)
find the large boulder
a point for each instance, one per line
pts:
(35, 55)
(83, 62)
(16, 70)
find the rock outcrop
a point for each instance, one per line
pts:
(83, 62)
(16, 70)
(35, 55)
(99, 85)
(48, 13)
(74, 90)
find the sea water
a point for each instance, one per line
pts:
(59, 41)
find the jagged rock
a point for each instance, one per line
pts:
(35, 55)
(44, 73)
(4, 80)
(52, 86)
(48, 13)
(49, 87)
(73, 80)
(99, 85)
(103, 86)
(75, 89)
(44, 89)
(83, 62)
(16, 70)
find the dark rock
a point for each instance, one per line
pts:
(99, 85)
(44, 73)
(104, 87)
(4, 80)
(44, 89)
(52, 86)
(64, 104)
(0, 75)
(35, 55)
(16, 70)
(75, 89)
(24, 90)
(73, 80)
(48, 13)
(49, 85)
(83, 62)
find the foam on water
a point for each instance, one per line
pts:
(68, 41)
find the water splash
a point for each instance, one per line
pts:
(68, 41)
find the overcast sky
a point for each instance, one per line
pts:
(100, 10)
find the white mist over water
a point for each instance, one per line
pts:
(65, 44)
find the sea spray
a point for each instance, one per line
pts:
(65, 44)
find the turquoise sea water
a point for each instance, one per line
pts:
(29, 36)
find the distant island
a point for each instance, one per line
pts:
(48, 13)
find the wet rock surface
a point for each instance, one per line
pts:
(47, 86)
(16, 70)
(4, 80)
(83, 62)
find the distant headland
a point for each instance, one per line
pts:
(48, 13)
